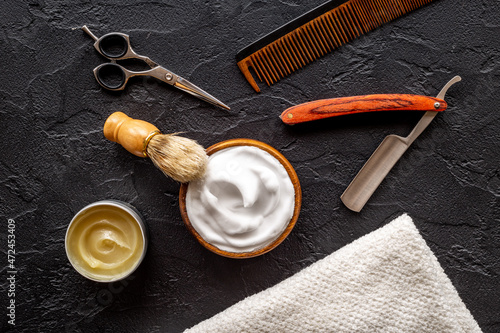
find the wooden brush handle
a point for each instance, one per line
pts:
(325, 108)
(128, 132)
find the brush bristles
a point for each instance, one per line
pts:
(182, 159)
(322, 35)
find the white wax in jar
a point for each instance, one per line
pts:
(244, 202)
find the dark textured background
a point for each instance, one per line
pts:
(54, 159)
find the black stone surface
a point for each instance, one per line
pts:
(54, 159)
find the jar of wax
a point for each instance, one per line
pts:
(246, 204)
(106, 241)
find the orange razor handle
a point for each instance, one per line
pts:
(326, 108)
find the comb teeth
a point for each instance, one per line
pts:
(319, 36)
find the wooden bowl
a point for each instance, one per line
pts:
(293, 177)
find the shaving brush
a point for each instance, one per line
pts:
(177, 157)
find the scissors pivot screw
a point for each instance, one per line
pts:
(169, 76)
(437, 105)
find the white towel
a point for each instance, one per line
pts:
(386, 281)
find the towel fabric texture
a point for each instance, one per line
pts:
(386, 281)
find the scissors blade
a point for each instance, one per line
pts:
(190, 88)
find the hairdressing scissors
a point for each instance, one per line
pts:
(112, 76)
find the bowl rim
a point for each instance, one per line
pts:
(132, 211)
(297, 191)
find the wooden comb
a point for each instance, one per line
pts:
(316, 33)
